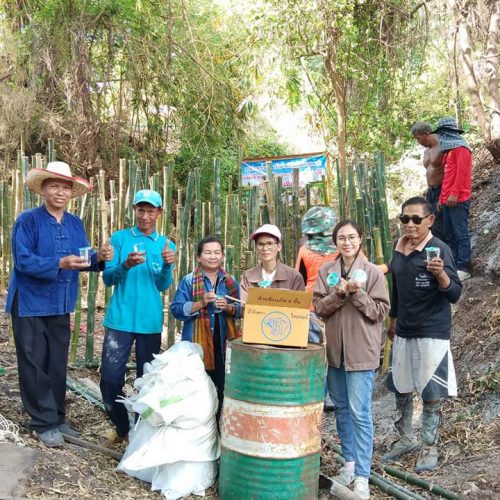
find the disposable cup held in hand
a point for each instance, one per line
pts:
(332, 279)
(432, 253)
(360, 276)
(218, 309)
(140, 248)
(85, 253)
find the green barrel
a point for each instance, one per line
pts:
(271, 422)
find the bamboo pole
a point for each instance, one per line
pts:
(197, 220)
(104, 233)
(269, 187)
(6, 225)
(113, 205)
(381, 178)
(93, 279)
(147, 168)
(205, 224)
(252, 211)
(422, 483)
(227, 219)
(75, 336)
(308, 196)
(296, 227)
(168, 188)
(103, 207)
(131, 189)
(91, 292)
(230, 259)
(122, 195)
(324, 190)
(351, 192)
(92, 446)
(28, 195)
(250, 259)
(264, 210)
(186, 222)
(217, 200)
(236, 232)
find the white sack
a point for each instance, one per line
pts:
(174, 444)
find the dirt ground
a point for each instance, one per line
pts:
(470, 437)
(470, 455)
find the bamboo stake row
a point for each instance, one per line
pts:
(233, 216)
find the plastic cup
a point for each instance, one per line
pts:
(140, 248)
(332, 279)
(85, 253)
(432, 253)
(360, 276)
(218, 310)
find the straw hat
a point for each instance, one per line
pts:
(56, 170)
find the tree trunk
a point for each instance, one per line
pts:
(89, 128)
(461, 13)
(339, 90)
(492, 68)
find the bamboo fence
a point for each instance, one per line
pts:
(232, 216)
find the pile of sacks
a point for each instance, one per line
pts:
(174, 444)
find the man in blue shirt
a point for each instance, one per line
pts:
(142, 268)
(42, 293)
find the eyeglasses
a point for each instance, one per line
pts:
(414, 218)
(352, 238)
(266, 244)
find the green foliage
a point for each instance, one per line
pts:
(379, 53)
(252, 145)
(126, 77)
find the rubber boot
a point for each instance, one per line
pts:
(431, 421)
(407, 441)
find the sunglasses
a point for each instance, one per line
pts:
(414, 218)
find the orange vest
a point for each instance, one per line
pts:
(312, 262)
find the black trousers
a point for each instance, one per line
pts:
(218, 375)
(42, 344)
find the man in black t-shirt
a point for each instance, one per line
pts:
(423, 290)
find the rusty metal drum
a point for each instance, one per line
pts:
(271, 422)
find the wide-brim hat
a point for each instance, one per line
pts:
(270, 229)
(56, 170)
(447, 123)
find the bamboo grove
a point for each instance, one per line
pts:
(187, 217)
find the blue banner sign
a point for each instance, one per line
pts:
(311, 169)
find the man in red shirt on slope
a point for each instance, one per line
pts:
(456, 192)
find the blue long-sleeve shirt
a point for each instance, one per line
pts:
(39, 241)
(183, 303)
(136, 305)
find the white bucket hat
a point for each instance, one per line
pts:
(56, 170)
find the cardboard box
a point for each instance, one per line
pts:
(276, 317)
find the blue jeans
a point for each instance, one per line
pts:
(432, 196)
(351, 393)
(115, 353)
(457, 233)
